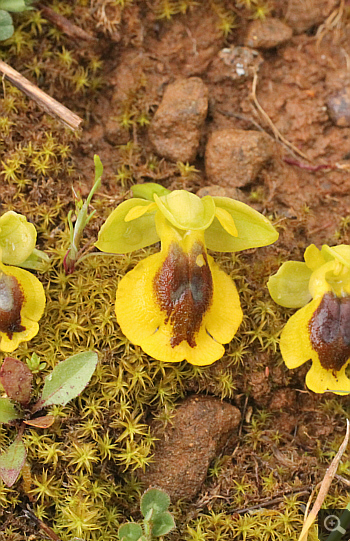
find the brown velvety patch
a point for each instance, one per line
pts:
(330, 331)
(11, 301)
(184, 290)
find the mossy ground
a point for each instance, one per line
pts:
(80, 473)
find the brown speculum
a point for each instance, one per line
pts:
(11, 301)
(184, 289)
(330, 331)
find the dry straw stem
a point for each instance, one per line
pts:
(266, 117)
(326, 483)
(333, 22)
(71, 30)
(50, 105)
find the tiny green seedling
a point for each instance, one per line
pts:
(73, 254)
(35, 365)
(66, 381)
(157, 520)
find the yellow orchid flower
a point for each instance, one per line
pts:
(177, 304)
(17, 238)
(22, 303)
(22, 297)
(320, 330)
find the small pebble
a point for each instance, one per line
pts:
(267, 34)
(234, 63)
(339, 107)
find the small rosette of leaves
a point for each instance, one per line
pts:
(158, 521)
(66, 381)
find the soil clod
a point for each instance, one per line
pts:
(234, 158)
(199, 429)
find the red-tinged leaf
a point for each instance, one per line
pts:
(12, 461)
(16, 379)
(41, 422)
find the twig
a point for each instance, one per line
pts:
(50, 105)
(273, 501)
(266, 117)
(49, 531)
(325, 485)
(332, 21)
(241, 117)
(68, 28)
(345, 482)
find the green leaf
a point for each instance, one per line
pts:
(98, 167)
(67, 380)
(162, 524)
(13, 5)
(38, 261)
(12, 461)
(130, 532)
(148, 189)
(6, 25)
(155, 501)
(8, 411)
(253, 228)
(186, 210)
(119, 237)
(17, 236)
(290, 286)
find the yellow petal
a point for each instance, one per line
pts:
(313, 257)
(138, 211)
(118, 236)
(226, 221)
(17, 238)
(206, 352)
(34, 294)
(320, 380)
(8, 345)
(137, 314)
(225, 314)
(185, 210)
(31, 310)
(295, 342)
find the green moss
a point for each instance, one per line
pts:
(82, 476)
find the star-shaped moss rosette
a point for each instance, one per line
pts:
(22, 297)
(177, 304)
(320, 330)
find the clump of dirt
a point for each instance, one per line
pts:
(199, 430)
